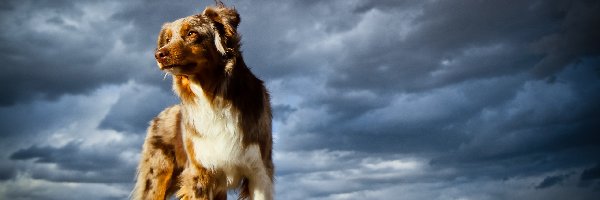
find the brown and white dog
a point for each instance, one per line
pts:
(219, 137)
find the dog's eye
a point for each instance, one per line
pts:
(192, 33)
(168, 40)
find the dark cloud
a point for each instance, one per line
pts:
(81, 164)
(68, 157)
(471, 103)
(444, 43)
(575, 40)
(33, 122)
(451, 53)
(590, 177)
(43, 58)
(397, 123)
(65, 47)
(551, 181)
(281, 112)
(6, 172)
(57, 191)
(591, 173)
(135, 108)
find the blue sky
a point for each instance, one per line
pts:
(372, 99)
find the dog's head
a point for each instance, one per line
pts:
(199, 43)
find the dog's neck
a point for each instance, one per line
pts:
(212, 84)
(237, 94)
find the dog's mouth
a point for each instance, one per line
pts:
(168, 67)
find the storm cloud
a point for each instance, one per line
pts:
(372, 99)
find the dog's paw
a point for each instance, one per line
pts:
(196, 187)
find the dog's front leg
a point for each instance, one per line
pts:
(261, 185)
(154, 175)
(195, 184)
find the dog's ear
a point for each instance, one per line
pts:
(223, 16)
(226, 21)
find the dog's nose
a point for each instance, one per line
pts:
(161, 54)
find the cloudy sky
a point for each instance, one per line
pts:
(372, 99)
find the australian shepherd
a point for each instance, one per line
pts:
(219, 136)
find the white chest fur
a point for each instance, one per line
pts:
(217, 139)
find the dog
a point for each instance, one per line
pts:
(219, 137)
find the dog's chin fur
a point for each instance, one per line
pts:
(219, 137)
(178, 70)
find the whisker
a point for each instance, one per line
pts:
(165, 77)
